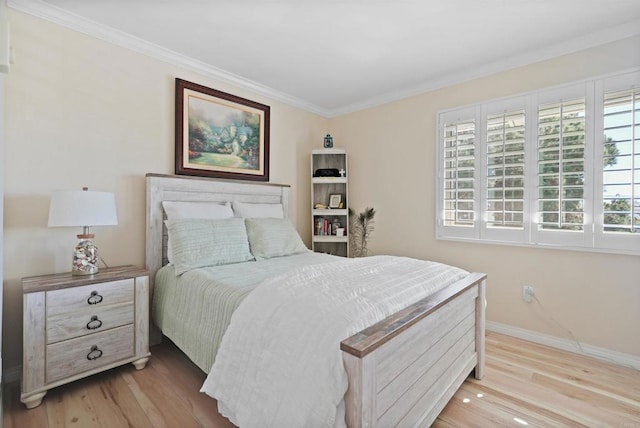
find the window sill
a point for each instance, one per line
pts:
(540, 246)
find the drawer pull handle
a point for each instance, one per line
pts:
(94, 353)
(94, 299)
(94, 324)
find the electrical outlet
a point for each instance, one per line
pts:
(527, 293)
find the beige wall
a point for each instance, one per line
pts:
(392, 168)
(82, 112)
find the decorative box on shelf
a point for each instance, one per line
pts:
(76, 326)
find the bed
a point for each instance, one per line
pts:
(399, 371)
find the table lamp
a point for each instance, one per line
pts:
(83, 208)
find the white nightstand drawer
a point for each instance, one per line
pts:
(89, 296)
(88, 321)
(75, 356)
(63, 319)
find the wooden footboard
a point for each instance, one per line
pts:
(404, 370)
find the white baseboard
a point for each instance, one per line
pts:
(11, 374)
(615, 357)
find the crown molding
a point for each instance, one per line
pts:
(630, 29)
(91, 28)
(111, 35)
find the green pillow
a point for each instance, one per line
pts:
(273, 237)
(205, 242)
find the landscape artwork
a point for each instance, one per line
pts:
(220, 135)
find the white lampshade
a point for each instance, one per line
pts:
(82, 208)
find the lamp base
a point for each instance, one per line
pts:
(85, 256)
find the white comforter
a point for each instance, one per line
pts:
(279, 363)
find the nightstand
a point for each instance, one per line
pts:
(76, 326)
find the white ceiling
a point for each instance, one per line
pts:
(337, 56)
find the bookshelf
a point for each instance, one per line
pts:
(329, 197)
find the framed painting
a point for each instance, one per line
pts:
(220, 135)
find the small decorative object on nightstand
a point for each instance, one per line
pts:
(77, 208)
(328, 141)
(76, 326)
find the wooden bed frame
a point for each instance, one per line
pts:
(402, 370)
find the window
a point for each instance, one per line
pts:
(505, 170)
(459, 169)
(561, 152)
(617, 222)
(531, 169)
(621, 162)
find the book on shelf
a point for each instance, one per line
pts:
(326, 227)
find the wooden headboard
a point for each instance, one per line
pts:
(182, 188)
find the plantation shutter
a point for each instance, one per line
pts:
(459, 170)
(558, 167)
(505, 145)
(621, 162)
(617, 224)
(561, 166)
(458, 173)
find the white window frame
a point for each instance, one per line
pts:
(593, 237)
(610, 241)
(584, 238)
(498, 234)
(469, 232)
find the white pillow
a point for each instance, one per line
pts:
(273, 237)
(177, 210)
(248, 210)
(200, 242)
(212, 210)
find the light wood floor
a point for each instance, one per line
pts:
(525, 385)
